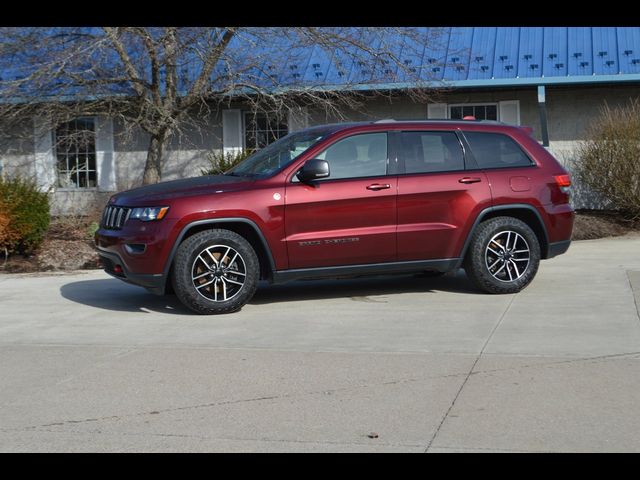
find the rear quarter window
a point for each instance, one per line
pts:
(496, 150)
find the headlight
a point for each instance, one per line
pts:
(147, 214)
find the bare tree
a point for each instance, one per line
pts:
(162, 79)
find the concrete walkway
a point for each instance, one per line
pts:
(88, 363)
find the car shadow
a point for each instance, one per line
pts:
(362, 288)
(115, 295)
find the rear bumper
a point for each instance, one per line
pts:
(558, 220)
(558, 248)
(154, 283)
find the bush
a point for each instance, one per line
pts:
(219, 162)
(8, 236)
(26, 212)
(608, 162)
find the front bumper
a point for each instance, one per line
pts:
(139, 249)
(153, 282)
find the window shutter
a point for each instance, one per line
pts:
(44, 154)
(105, 155)
(231, 131)
(510, 112)
(437, 110)
(298, 120)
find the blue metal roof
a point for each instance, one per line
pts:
(461, 57)
(473, 57)
(503, 56)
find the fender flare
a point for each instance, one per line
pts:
(497, 208)
(213, 221)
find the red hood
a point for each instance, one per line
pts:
(186, 187)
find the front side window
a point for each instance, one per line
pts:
(75, 145)
(488, 111)
(495, 150)
(426, 152)
(261, 129)
(357, 156)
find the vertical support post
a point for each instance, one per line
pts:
(542, 107)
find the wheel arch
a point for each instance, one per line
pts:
(527, 213)
(242, 226)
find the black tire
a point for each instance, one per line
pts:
(189, 264)
(502, 272)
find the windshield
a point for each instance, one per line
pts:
(279, 154)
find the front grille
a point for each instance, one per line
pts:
(114, 218)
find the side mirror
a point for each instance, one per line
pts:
(313, 170)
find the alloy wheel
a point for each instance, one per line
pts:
(507, 256)
(218, 273)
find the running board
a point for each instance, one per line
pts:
(444, 265)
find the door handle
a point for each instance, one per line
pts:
(470, 180)
(378, 186)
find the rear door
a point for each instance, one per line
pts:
(348, 218)
(440, 193)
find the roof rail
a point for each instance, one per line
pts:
(442, 120)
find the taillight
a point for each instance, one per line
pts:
(564, 182)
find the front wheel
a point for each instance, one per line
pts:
(503, 256)
(215, 271)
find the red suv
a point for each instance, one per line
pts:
(347, 200)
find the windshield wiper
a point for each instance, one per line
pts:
(236, 174)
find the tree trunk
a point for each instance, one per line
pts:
(153, 166)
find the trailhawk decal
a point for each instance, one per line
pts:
(329, 241)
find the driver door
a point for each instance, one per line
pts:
(349, 218)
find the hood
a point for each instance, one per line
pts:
(186, 187)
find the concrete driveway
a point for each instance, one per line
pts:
(88, 363)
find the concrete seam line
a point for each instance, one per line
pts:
(238, 401)
(634, 293)
(208, 437)
(464, 382)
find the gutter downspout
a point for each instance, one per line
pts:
(542, 106)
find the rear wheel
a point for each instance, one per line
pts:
(215, 271)
(504, 255)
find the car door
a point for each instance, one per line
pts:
(440, 193)
(348, 218)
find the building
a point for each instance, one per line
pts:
(554, 79)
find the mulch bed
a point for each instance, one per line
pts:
(592, 224)
(68, 246)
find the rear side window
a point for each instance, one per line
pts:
(495, 150)
(426, 152)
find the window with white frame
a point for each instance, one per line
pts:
(481, 111)
(75, 151)
(261, 129)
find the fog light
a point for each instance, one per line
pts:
(117, 269)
